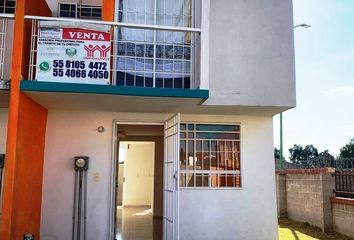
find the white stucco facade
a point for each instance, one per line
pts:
(3, 129)
(251, 56)
(247, 213)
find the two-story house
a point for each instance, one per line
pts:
(142, 119)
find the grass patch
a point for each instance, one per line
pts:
(290, 230)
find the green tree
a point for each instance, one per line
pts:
(348, 150)
(276, 153)
(301, 155)
(325, 159)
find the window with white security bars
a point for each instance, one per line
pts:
(210, 156)
(161, 59)
(7, 6)
(78, 9)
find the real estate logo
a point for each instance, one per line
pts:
(71, 52)
(102, 50)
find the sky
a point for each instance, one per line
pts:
(324, 55)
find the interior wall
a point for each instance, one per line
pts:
(3, 128)
(158, 165)
(138, 174)
(122, 157)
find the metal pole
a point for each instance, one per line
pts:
(282, 160)
(79, 207)
(74, 207)
(85, 203)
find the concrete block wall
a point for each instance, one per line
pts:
(281, 195)
(343, 216)
(307, 196)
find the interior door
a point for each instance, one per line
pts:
(171, 179)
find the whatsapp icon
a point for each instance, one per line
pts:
(44, 66)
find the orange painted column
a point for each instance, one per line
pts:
(22, 191)
(108, 10)
(12, 129)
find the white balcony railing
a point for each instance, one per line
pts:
(141, 55)
(6, 31)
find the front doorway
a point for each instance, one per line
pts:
(139, 182)
(146, 189)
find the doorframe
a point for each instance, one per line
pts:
(114, 167)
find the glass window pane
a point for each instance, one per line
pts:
(231, 179)
(238, 180)
(237, 161)
(212, 135)
(214, 161)
(222, 180)
(199, 180)
(183, 135)
(206, 161)
(199, 161)
(217, 128)
(190, 135)
(236, 146)
(190, 127)
(199, 145)
(190, 180)
(205, 180)
(221, 161)
(229, 161)
(182, 178)
(216, 151)
(206, 146)
(182, 157)
(213, 146)
(228, 146)
(214, 180)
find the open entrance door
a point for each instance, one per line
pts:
(171, 179)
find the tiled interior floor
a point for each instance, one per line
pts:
(135, 223)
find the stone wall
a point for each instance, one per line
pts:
(343, 216)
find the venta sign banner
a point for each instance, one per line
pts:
(73, 55)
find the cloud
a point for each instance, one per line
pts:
(345, 91)
(347, 127)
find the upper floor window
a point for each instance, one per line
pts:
(7, 6)
(76, 10)
(150, 58)
(210, 156)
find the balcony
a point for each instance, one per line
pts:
(115, 59)
(6, 33)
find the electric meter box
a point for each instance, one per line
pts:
(81, 163)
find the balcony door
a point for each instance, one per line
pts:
(150, 58)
